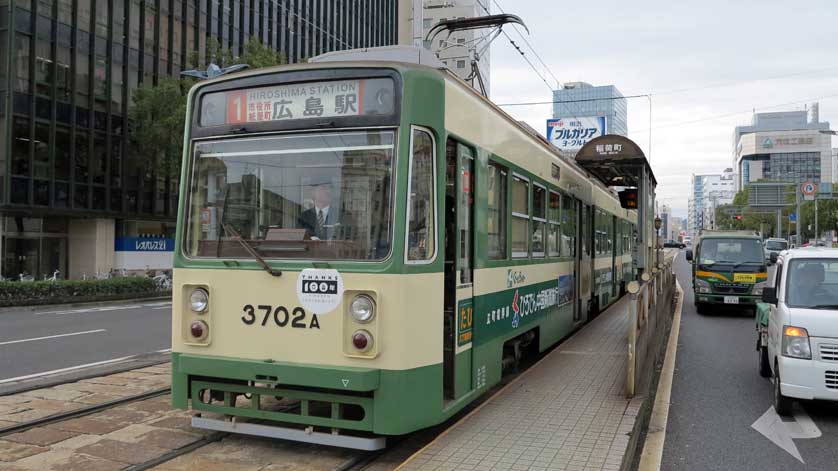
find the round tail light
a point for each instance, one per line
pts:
(199, 329)
(362, 340)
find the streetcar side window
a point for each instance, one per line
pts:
(496, 211)
(421, 226)
(554, 218)
(568, 227)
(520, 217)
(539, 220)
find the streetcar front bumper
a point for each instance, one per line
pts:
(729, 299)
(325, 397)
(333, 397)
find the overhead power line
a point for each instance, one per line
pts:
(527, 42)
(735, 113)
(520, 51)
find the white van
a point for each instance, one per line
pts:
(797, 325)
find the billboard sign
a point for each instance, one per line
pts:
(570, 134)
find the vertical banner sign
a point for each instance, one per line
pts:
(465, 321)
(570, 134)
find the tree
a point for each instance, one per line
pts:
(156, 125)
(158, 114)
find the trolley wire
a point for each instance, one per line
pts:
(527, 42)
(520, 51)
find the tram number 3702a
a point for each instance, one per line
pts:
(296, 318)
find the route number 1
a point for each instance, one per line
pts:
(236, 108)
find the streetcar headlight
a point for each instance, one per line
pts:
(199, 300)
(362, 340)
(362, 308)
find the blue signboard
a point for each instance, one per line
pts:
(793, 217)
(143, 244)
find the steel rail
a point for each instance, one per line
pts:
(72, 414)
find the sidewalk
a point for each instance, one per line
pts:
(567, 412)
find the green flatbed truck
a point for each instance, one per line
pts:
(728, 268)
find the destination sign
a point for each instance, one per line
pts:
(337, 98)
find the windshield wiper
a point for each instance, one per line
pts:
(251, 250)
(823, 306)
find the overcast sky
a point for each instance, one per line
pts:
(730, 56)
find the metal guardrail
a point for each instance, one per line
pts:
(650, 315)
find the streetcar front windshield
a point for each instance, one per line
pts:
(319, 196)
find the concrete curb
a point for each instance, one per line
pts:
(47, 381)
(645, 418)
(652, 453)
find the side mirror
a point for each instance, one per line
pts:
(773, 257)
(769, 295)
(689, 255)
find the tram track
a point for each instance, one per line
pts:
(83, 411)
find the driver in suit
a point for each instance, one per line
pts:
(322, 221)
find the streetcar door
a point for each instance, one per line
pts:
(459, 270)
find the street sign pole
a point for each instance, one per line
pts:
(816, 221)
(799, 217)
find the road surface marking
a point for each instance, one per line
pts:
(650, 458)
(79, 367)
(53, 336)
(103, 309)
(783, 434)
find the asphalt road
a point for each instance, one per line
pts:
(51, 339)
(717, 394)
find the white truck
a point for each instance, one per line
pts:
(797, 327)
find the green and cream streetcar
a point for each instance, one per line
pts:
(365, 243)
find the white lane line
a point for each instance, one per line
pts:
(161, 307)
(53, 336)
(78, 367)
(99, 309)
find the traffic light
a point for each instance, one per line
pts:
(628, 198)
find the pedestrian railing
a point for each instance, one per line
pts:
(651, 301)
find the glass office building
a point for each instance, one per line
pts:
(67, 70)
(580, 99)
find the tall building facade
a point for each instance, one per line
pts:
(73, 192)
(666, 223)
(708, 192)
(455, 51)
(580, 99)
(784, 146)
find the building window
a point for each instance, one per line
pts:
(520, 217)
(62, 154)
(82, 155)
(496, 212)
(461, 64)
(22, 63)
(20, 146)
